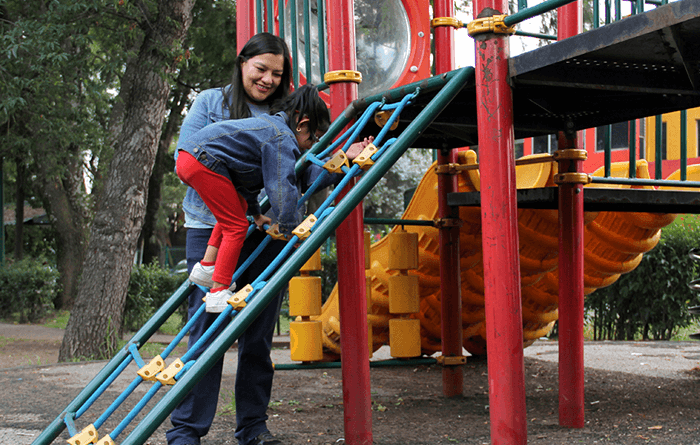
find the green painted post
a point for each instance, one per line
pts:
(307, 38)
(658, 158)
(633, 148)
(684, 144)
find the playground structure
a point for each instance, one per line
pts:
(547, 91)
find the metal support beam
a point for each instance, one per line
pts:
(499, 222)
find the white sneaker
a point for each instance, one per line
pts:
(217, 302)
(202, 275)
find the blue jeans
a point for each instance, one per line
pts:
(193, 417)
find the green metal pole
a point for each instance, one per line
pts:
(400, 222)
(596, 14)
(607, 143)
(684, 144)
(658, 158)
(533, 11)
(632, 127)
(259, 15)
(307, 39)
(248, 314)
(321, 38)
(141, 337)
(270, 17)
(372, 364)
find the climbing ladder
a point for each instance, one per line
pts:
(246, 304)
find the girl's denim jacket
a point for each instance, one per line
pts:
(206, 109)
(256, 153)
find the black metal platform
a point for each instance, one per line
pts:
(598, 200)
(640, 66)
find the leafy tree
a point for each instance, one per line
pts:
(153, 33)
(51, 105)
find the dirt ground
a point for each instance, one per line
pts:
(407, 404)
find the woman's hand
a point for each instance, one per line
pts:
(261, 220)
(355, 149)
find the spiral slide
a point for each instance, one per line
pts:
(614, 245)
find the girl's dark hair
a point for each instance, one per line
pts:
(235, 97)
(304, 101)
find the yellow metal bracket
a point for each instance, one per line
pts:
(167, 377)
(342, 76)
(493, 24)
(456, 360)
(571, 154)
(149, 371)
(364, 159)
(336, 163)
(87, 435)
(275, 234)
(382, 117)
(446, 21)
(447, 169)
(238, 299)
(303, 230)
(572, 178)
(105, 441)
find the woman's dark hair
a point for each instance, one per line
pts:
(305, 101)
(235, 97)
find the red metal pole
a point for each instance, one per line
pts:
(245, 22)
(357, 401)
(450, 283)
(571, 371)
(571, 391)
(499, 222)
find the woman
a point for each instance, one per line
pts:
(262, 74)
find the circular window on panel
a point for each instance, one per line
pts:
(382, 32)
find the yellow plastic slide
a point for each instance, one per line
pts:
(614, 244)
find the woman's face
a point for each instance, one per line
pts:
(262, 75)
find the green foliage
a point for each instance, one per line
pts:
(27, 288)
(652, 301)
(38, 241)
(149, 287)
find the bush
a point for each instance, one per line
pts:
(149, 287)
(652, 301)
(27, 288)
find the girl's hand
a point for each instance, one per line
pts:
(355, 149)
(261, 220)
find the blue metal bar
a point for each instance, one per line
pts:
(118, 401)
(137, 409)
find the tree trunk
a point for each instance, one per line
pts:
(96, 317)
(164, 163)
(64, 198)
(19, 209)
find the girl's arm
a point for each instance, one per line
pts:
(278, 159)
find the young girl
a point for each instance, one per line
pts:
(229, 162)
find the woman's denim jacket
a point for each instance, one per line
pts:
(206, 109)
(256, 153)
